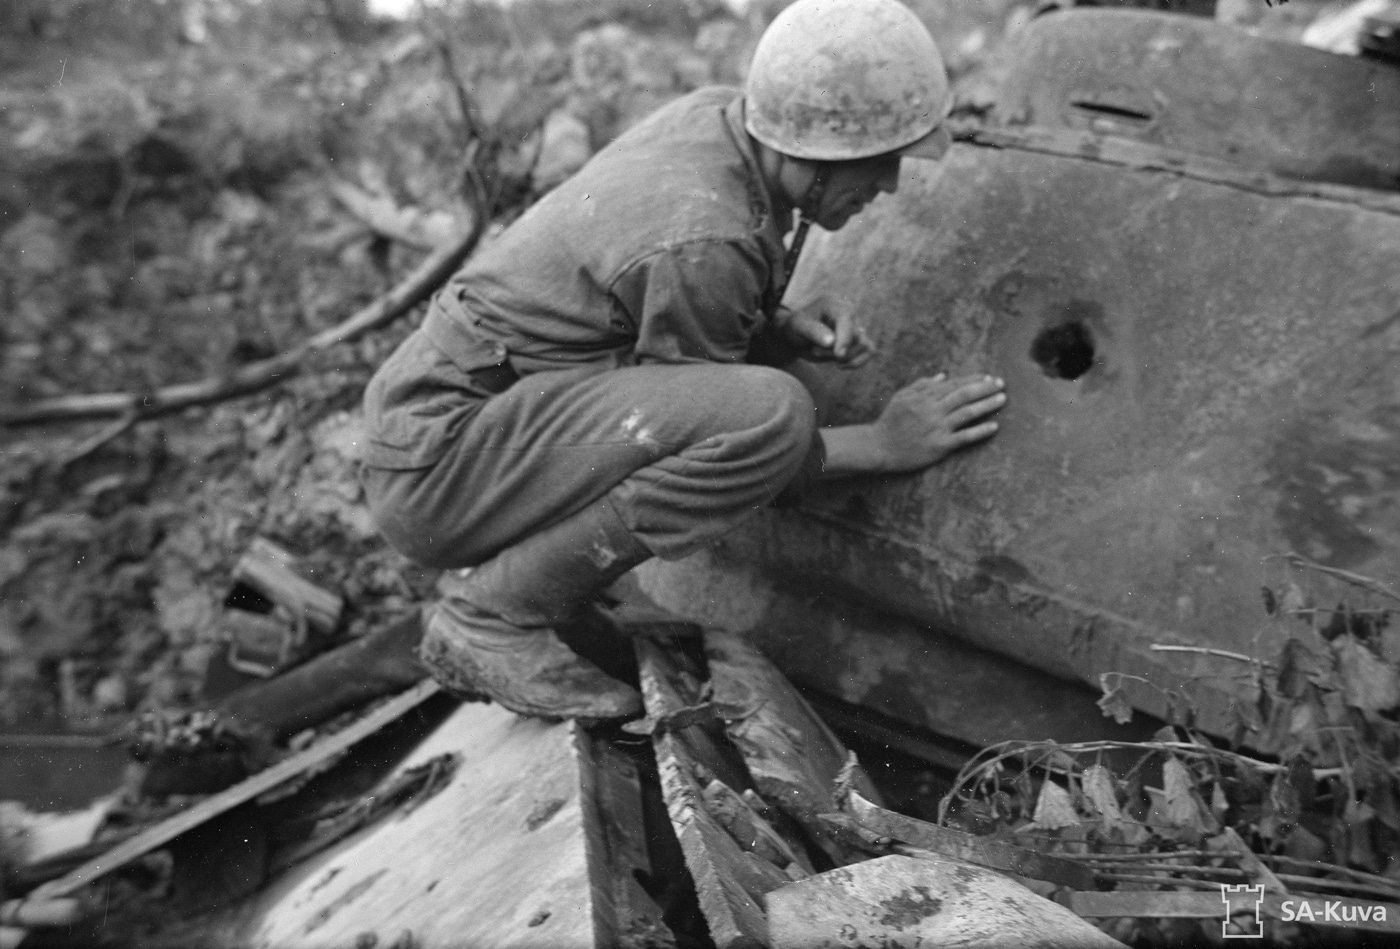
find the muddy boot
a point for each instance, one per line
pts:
(492, 634)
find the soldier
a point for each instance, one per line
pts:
(599, 385)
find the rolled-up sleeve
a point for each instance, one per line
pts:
(699, 301)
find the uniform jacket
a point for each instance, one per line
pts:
(664, 248)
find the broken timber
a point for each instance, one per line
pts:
(748, 771)
(793, 755)
(162, 833)
(533, 842)
(274, 572)
(728, 881)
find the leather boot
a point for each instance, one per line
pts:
(492, 634)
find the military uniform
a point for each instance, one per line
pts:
(601, 348)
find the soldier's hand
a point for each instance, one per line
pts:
(826, 334)
(933, 417)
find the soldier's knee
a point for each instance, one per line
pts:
(777, 398)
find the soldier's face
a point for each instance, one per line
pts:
(852, 185)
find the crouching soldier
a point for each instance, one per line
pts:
(585, 392)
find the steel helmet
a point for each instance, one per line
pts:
(835, 80)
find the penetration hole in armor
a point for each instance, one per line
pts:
(1065, 351)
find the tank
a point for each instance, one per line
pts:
(1180, 246)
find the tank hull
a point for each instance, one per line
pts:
(1201, 377)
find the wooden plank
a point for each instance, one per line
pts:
(994, 854)
(899, 901)
(616, 794)
(750, 830)
(602, 869)
(167, 830)
(505, 855)
(726, 878)
(793, 755)
(272, 571)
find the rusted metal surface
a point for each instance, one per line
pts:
(1198, 378)
(1196, 86)
(1230, 401)
(895, 666)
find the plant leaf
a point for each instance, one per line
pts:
(1292, 677)
(1100, 789)
(1304, 717)
(1114, 704)
(1303, 781)
(1180, 801)
(1294, 599)
(1054, 808)
(1219, 802)
(1368, 683)
(1360, 852)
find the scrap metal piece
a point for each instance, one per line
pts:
(994, 854)
(899, 901)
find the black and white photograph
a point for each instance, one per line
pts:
(699, 474)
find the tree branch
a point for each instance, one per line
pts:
(255, 377)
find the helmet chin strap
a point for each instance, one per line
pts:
(807, 207)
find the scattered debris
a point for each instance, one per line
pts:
(728, 880)
(793, 756)
(260, 783)
(992, 854)
(479, 828)
(400, 793)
